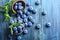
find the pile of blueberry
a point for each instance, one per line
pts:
(23, 17)
(18, 6)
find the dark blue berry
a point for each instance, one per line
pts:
(29, 24)
(48, 24)
(25, 31)
(30, 9)
(38, 26)
(43, 13)
(19, 38)
(11, 21)
(34, 11)
(30, 18)
(37, 3)
(26, 24)
(15, 28)
(27, 4)
(25, 20)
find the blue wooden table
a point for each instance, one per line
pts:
(52, 10)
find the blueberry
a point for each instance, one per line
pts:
(25, 31)
(30, 9)
(24, 12)
(16, 31)
(15, 20)
(19, 38)
(48, 24)
(20, 3)
(37, 3)
(30, 18)
(25, 20)
(34, 11)
(15, 7)
(27, 4)
(20, 7)
(23, 16)
(27, 14)
(32, 21)
(22, 25)
(19, 12)
(18, 18)
(38, 26)
(26, 24)
(20, 29)
(11, 21)
(20, 21)
(29, 24)
(43, 13)
(15, 28)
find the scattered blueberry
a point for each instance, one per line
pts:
(37, 3)
(22, 25)
(30, 9)
(27, 14)
(20, 21)
(19, 38)
(34, 11)
(25, 31)
(23, 16)
(27, 4)
(29, 24)
(30, 18)
(48, 24)
(38, 26)
(15, 20)
(25, 20)
(24, 12)
(26, 24)
(43, 13)
(11, 21)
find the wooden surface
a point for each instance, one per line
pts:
(52, 10)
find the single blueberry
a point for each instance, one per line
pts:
(48, 24)
(15, 20)
(25, 20)
(25, 31)
(29, 24)
(38, 26)
(30, 9)
(27, 14)
(30, 18)
(26, 24)
(43, 13)
(34, 11)
(19, 38)
(20, 7)
(11, 21)
(23, 16)
(15, 28)
(20, 21)
(27, 4)
(37, 3)
(20, 3)
(22, 25)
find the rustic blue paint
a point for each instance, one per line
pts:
(51, 8)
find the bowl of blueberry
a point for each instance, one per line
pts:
(18, 5)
